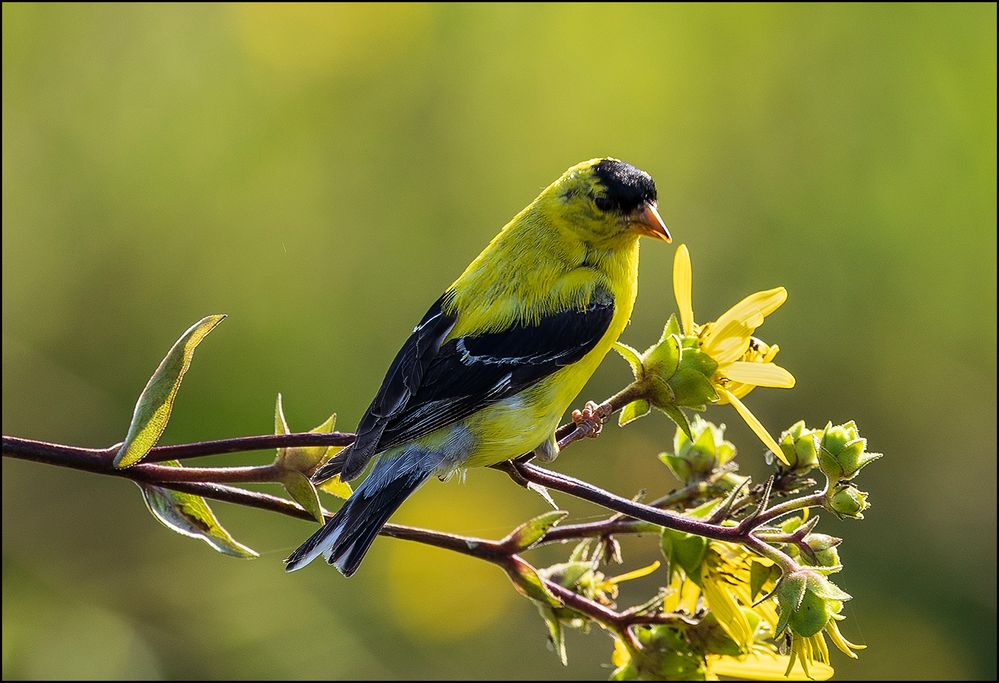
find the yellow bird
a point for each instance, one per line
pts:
(491, 368)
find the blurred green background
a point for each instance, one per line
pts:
(321, 173)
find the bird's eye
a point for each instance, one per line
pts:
(604, 204)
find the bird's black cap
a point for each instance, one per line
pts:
(627, 187)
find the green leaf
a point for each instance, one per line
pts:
(305, 459)
(672, 327)
(152, 410)
(678, 417)
(527, 582)
(633, 411)
(280, 424)
(692, 388)
(677, 465)
(334, 486)
(759, 574)
(693, 358)
(303, 492)
(633, 357)
(664, 358)
(684, 550)
(189, 515)
(567, 574)
(556, 633)
(531, 531)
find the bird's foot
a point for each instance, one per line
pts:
(591, 418)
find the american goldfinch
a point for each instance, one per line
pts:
(490, 369)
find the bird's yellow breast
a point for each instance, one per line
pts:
(522, 422)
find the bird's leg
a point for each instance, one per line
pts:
(591, 418)
(548, 450)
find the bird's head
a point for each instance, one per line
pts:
(605, 200)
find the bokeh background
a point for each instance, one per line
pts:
(321, 173)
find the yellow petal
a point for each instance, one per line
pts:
(820, 651)
(844, 645)
(754, 424)
(683, 595)
(760, 374)
(726, 610)
(738, 389)
(682, 283)
(729, 347)
(751, 311)
(621, 655)
(771, 352)
(761, 667)
(635, 574)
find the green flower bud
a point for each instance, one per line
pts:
(807, 602)
(821, 550)
(789, 524)
(678, 466)
(683, 551)
(667, 655)
(800, 446)
(846, 500)
(842, 453)
(712, 638)
(693, 460)
(690, 385)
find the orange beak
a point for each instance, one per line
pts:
(650, 223)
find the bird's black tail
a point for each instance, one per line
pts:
(346, 537)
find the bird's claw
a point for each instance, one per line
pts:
(591, 418)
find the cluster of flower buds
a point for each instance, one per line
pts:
(664, 654)
(843, 452)
(695, 457)
(840, 453)
(672, 373)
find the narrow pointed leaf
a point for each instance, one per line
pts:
(672, 328)
(527, 582)
(303, 492)
(189, 515)
(556, 634)
(633, 357)
(759, 575)
(531, 531)
(633, 411)
(678, 417)
(305, 459)
(543, 492)
(280, 424)
(152, 410)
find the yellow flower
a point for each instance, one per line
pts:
(744, 362)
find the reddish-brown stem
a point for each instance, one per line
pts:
(213, 482)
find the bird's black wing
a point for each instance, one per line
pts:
(431, 384)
